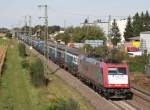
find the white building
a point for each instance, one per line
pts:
(122, 25)
(105, 26)
(145, 41)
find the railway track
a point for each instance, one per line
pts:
(95, 99)
(123, 105)
(141, 99)
(2, 57)
(141, 94)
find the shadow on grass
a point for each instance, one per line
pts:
(53, 72)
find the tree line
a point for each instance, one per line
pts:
(80, 34)
(136, 24)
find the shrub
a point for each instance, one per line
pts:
(22, 50)
(116, 55)
(36, 72)
(8, 35)
(25, 64)
(136, 67)
(62, 104)
(87, 48)
(138, 63)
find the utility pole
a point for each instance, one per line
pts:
(64, 25)
(109, 27)
(45, 17)
(25, 22)
(30, 27)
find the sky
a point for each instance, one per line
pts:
(68, 12)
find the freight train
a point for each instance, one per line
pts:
(109, 79)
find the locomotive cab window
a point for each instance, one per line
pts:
(117, 71)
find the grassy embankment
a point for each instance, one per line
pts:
(18, 93)
(138, 77)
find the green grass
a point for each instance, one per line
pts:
(14, 84)
(58, 88)
(18, 93)
(136, 67)
(16, 89)
(3, 42)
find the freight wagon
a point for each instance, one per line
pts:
(109, 79)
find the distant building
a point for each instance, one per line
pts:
(104, 25)
(132, 47)
(95, 43)
(145, 41)
(122, 25)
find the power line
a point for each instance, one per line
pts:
(87, 14)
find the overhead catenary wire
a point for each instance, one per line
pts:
(86, 14)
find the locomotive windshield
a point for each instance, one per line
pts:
(117, 71)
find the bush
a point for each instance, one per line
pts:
(87, 48)
(137, 64)
(25, 64)
(62, 104)
(116, 55)
(101, 51)
(22, 50)
(37, 72)
(136, 67)
(9, 35)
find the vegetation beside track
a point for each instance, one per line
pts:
(18, 93)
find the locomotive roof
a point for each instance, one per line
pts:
(92, 60)
(95, 60)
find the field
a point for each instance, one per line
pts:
(18, 93)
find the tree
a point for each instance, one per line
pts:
(64, 37)
(137, 25)
(87, 48)
(53, 29)
(4, 30)
(8, 35)
(86, 21)
(146, 22)
(37, 29)
(128, 30)
(80, 34)
(116, 55)
(115, 34)
(142, 22)
(101, 51)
